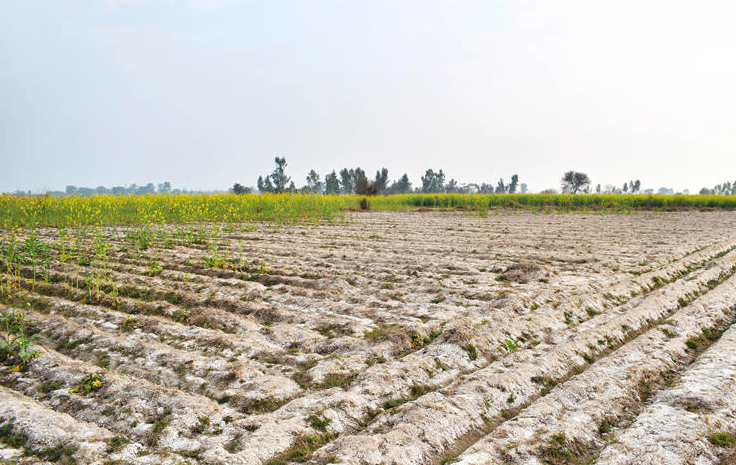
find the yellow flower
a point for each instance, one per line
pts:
(97, 383)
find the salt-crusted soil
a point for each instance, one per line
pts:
(394, 338)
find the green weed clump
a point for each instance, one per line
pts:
(15, 344)
(556, 451)
(91, 382)
(722, 439)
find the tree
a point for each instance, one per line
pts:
(147, 189)
(598, 189)
(433, 182)
(71, 190)
(524, 188)
(486, 188)
(403, 185)
(514, 183)
(365, 187)
(332, 185)
(500, 187)
(240, 189)
(265, 185)
(276, 181)
(573, 181)
(279, 177)
(314, 185)
(382, 178)
(358, 174)
(626, 188)
(451, 186)
(346, 180)
(164, 187)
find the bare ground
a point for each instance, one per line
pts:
(396, 338)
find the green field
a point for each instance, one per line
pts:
(39, 211)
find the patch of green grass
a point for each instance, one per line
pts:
(332, 380)
(471, 350)
(546, 382)
(301, 450)
(556, 451)
(722, 439)
(318, 422)
(7, 436)
(116, 443)
(61, 453)
(416, 391)
(49, 386)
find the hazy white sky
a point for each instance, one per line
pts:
(205, 94)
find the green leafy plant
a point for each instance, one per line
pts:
(91, 382)
(510, 346)
(15, 345)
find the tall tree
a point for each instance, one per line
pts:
(358, 175)
(382, 178)
(433, 182)
(347, 180)
(514, 183)
(314, 185)
(277, 181)
(265, 185)
(403, 185)
(573, 181)
(240, 189)
(332, 185)
(278, 177)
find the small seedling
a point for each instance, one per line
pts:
(510, 346)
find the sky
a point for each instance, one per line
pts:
(205, 94)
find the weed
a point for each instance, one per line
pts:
(49, 386)
(202, 424)
(556, 451)
(116, 443)
(722, 439)
(510, 346)
(332, 380)
(15, 345)
(546, 382)
(91, 382)
(471, 350)
(301, 449)
(318, 422)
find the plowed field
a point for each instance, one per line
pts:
(391, 338)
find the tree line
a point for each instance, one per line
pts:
(356, 181)
(132, 189)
